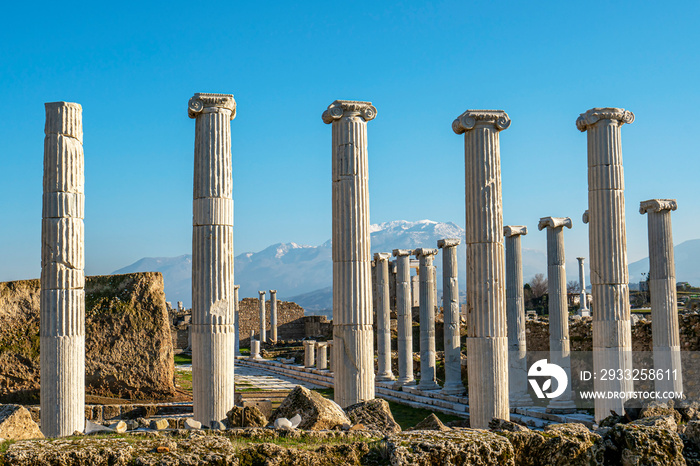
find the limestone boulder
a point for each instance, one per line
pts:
(571, 444)
(246, 416)
(660, 408)
(374, 415)
(431, 422)
(128, 345)
(16, 423)
(317, 412)
(452, 447)
(665, 422)
(637, 445)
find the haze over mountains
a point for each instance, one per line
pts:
(304, 273)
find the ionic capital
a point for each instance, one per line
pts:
(448, 242)
(261, 293)
(203, 102)
(382, 256)
(235, 287)
(594, 115)
(657, 205)
(424, 252)
(341, 108)
(402, 252)
(585, 217)
(469, 119)
(514, 230)
(580, 259)
(554, 222)
(273, 291)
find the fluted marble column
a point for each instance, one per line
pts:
(384, 373)
(273, 316)
(322, 355)
(612, 331)
(309, 355)
(450, 305)
(428, 301)
(487, 339)
(237, 329)
(515, 313)
(263, 323)
(662, 287)
(404, 316)
(353, 360)
(62, 316)
(559, 344)
(212, 328)
(583, 308)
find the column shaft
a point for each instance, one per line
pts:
(515, 314)
(662, 287)
(383, 317)
(450, 305)
(428, 301)
(487, 339)
(237, 328)
(353, 360)
(263, 323)
(612, 333)
(62, 306)
(559, 345)
(273, 315)
(212, 328)
(582, 283)
(404, 316)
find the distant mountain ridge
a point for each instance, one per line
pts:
(304, 273)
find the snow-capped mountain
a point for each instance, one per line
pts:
(305, 273)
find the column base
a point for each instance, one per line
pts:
(561, 407)
(386, 377)
(520, 401)
(584, 312)
(404, 382)
(455, 388)
(428, 385)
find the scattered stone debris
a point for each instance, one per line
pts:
(248, 416)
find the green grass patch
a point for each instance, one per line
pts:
(183, 379)
(183, 359)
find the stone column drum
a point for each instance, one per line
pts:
(237, 329)
(515, 313)
(612, 331)
(273, 316)
(559, 343)
(428, 301)
(487, 338)
(255, 349)
(309, 355)
(583, 307)
(384, 373)
(404, 316)
(353, 360)
(212, 328)
(263, 322)
(662, 287)
(450, 305)
(62, 305)
(322, 355)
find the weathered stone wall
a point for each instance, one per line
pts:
(128, 344)
(290, 320)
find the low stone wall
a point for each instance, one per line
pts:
(128, 345)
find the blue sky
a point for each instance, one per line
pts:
(133, 67)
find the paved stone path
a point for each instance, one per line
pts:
(253, 377)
